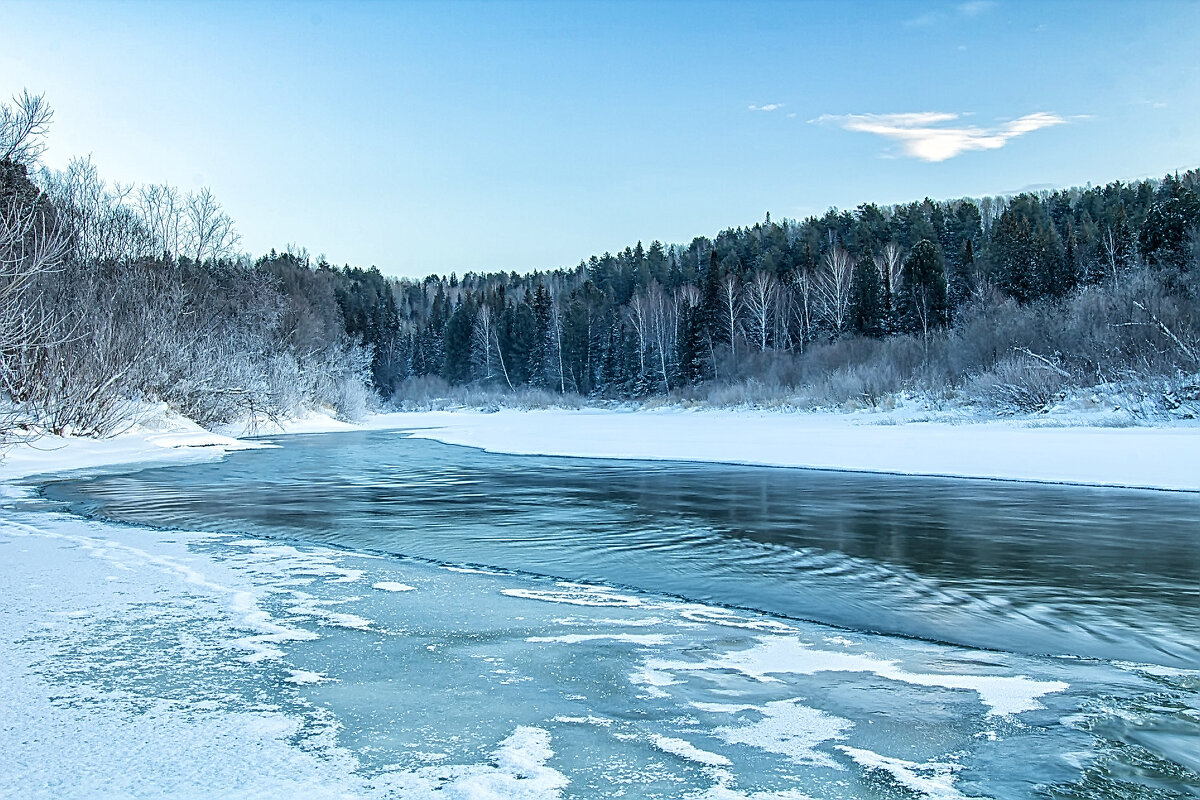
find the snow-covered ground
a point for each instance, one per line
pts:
(1152, 457)
(1159, 457)
(1165, 457)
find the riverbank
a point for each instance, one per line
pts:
(1064, 451)
(1145, 457)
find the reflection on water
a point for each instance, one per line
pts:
(1016, 567)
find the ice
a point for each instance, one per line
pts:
(791, 729)
(393, 586)
(1003, 695)
(576, 596)
(686, 750)
(643, 639)
(1166, 457)
(931, 779)
(303, 676)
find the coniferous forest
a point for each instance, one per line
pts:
(115, 296)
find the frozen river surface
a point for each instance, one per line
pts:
(363, 614)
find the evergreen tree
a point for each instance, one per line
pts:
(456, 367)
(542, 346)
(866, 298)
(691, 348)
(924, 294)
(962, 278)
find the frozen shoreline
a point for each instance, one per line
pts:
(1146, 458)
(1164, 458)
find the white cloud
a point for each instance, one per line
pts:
(768, 107)
(973, 8)
(925, 135)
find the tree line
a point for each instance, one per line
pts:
(755, 302)
(114, 297)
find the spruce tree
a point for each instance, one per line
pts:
(924, 294)
(456, 367)
(866, 298)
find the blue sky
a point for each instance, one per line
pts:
(430, 137)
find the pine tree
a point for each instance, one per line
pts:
(924, 294)
(456, 367)
(866, 298)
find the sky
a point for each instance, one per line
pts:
(476, 136)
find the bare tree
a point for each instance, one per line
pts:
(481, 339)
(104, 225)
(161, 209)
(833, 286)
(760, 297)
(210, 230)
(556, 337)
(803, 307)
(662, 327)
(638, 312)
(23, 126)
(889, 263)
(31, 246)
(731, 308)
(1111, 250)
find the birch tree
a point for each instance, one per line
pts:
(833, 286)
(760, 297)
(731, 307)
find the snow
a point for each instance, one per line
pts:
(393, 586)
(643, 639)
(82, 722)
(791, 729)
(1166, 457)
(166, 437)
(1003, 695)
(576, 596)
(1063, 450)
(688, 751)
(933, 779)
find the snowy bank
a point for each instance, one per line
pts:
(1144, 457)
(165, 437)
(1165, 457)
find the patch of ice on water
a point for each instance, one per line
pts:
(324, 616)
(1002, 695)
(932, 779)
(719, 616)
(725, 708)
(317, 563)
(689, 752)
(576, 596)
(603, 722)
(303, 677)
(472, 571)
(790, 729)
(1157, 670)
(652, 679)
(722, 791)
(841, 641)
(642, 622)
(393, 586)
(518, 772)
(645, 639)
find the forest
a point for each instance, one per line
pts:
(113, 297)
